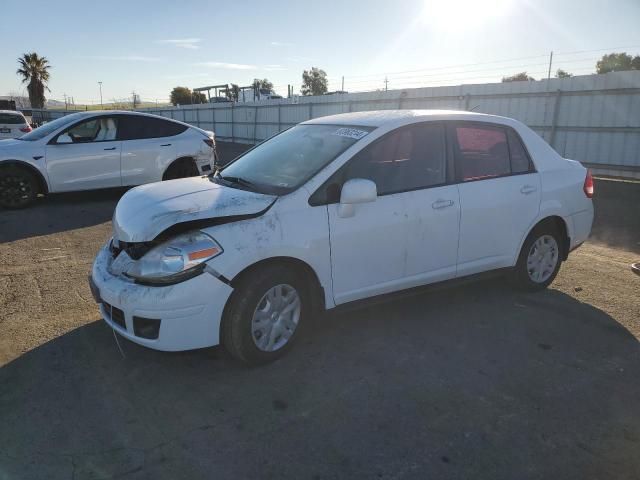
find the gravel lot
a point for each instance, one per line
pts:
(471, 382)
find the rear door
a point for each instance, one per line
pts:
(85, 156)
(11, 123)
(499, 194)
(409, 235)
(148, 147)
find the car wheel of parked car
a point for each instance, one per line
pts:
(18, 187)
(539, 260)
(181, 169)
(264, 315)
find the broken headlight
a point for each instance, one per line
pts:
(175, 260)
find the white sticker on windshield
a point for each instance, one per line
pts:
(350, 133)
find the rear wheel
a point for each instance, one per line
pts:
(181, 169)
(18, 187)
(539, 260)
(265, 315)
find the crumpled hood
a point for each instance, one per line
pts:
(146, 211)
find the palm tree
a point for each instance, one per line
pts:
(35, 70)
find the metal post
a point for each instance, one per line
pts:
(279, 124)
(213, 119)
(198, 117)
(233, 140)
(101, 106)
(554, 122)
(550, 61)
(467, 100)
(255, 122)
(342, 89)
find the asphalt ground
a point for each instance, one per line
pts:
(476, 381)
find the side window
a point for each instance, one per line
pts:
(139, 127)
(409, 159)
(94, 130)
(481, 152)
(520, 161)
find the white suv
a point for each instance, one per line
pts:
(89, 150)
(13, 124)
(331, 211)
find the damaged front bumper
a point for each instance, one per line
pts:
(177, 317)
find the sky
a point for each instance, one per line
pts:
(152, 46)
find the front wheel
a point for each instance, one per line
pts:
(18, 187)
(539, 260)
(265, 315)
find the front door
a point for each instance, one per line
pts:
(409, 235)
(85, 156)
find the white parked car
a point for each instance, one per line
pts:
(331, 211)
(13, 124)
(89, 150)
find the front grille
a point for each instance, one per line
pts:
(115, 314)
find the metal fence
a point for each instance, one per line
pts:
(591, 118)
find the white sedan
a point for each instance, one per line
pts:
(337, 210)
(89, 150)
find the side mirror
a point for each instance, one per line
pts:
(354, 191)
(64, 138)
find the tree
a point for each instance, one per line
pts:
(184, 96)
(518, 77)
(314, 82)
(233, 92)
(35, 70)
(264, 83)
(560, 73)
(617, 62)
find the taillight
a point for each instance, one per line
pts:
(26, 129)
(209, 142)
(588, 185)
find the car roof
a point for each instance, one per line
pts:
(378, 118)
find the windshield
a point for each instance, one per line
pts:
(52, 126)
(286, 161)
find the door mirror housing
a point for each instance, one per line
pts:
(354, 191)
(64, 138)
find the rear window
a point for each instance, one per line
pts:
(12, 119)
(135, 127)
(481, 152)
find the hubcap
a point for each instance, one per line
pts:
(14, 189)
(275, 318)
(542, 259)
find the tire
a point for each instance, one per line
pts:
(539, 260)
(260, 340)
(181, 169)
(18, 187)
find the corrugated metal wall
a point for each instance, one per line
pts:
(591, 118)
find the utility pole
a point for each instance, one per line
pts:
(386, 84)
(101, 106)
(134, 99)
(550, 61)
(65, 100)
(342, 88)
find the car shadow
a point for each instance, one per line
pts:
(472, 382)
(59, 212)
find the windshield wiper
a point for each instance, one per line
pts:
(237, 180)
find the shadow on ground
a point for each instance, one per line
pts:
(473, 382)
(617, 214)
(59, 213)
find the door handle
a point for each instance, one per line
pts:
(112, 148)
(441, 203)
(527, 189)
(166, 145)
